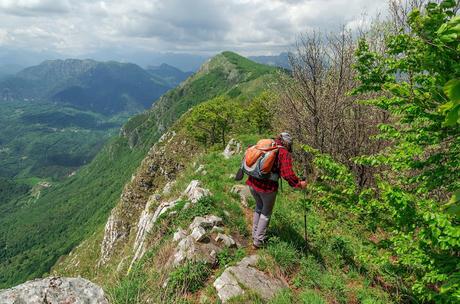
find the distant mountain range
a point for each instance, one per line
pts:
(168, 74)
(281, 60)
(103, 87)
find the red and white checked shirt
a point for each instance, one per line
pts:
(283, 167)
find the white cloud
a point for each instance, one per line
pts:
(34, 7)
(204, 26)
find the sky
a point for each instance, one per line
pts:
(203, 27)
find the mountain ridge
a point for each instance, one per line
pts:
(99, 184)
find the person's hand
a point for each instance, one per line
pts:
(303, 184)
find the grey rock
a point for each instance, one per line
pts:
(199, 169)
(226, 240)
(145, 225)
(194, 191)
(233, 147)
(228, 285)
(217, 229)
(179, 235)
(200, 221)
(189, 250)
(199, 234)
(167, 188)
(54, 290)
(214, 220)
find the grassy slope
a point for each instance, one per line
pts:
(65, 214)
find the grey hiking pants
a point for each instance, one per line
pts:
(262, 213)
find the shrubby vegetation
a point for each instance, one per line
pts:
(411, 206)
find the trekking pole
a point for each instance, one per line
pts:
(306, 207)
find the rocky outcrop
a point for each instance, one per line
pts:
(196, 244)
(164, 160)
(145, 225)
(54, 290)
(147, 219)
(194, 191)
(245, 276)
(112, 233)
(233, 147)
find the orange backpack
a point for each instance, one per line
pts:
(259, 160)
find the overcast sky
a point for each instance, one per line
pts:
(77, 27)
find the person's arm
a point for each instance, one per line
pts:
(286, 171)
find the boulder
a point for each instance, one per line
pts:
(190, 250)
(233, 147)
(194, 192)
(217, 229)
(179, 234)
(206, 222)
(54, 290)
(167, 188)
(214, 220)
(244, 276)
(200, 221)
(199, 234)
(226, 240)
(244, 193)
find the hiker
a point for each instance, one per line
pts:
(264, 186)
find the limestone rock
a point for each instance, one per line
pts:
(199, 169)
(199, 234)
(243, 191)
(167, 188)
(145, 225)
(194, 192)
(54, 290)
(217, 229)
(199, 221)
(179, 234)
(189, 250)
(214, 220)
(111, 235)
(228, 285)
(226, 240)
(233, 147)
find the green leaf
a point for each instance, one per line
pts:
(453, 116)
(452, 89)
(453, 206)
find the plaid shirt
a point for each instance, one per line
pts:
(283, 167)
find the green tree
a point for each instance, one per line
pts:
(259, 113)
(419, 82)
(211, 121)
